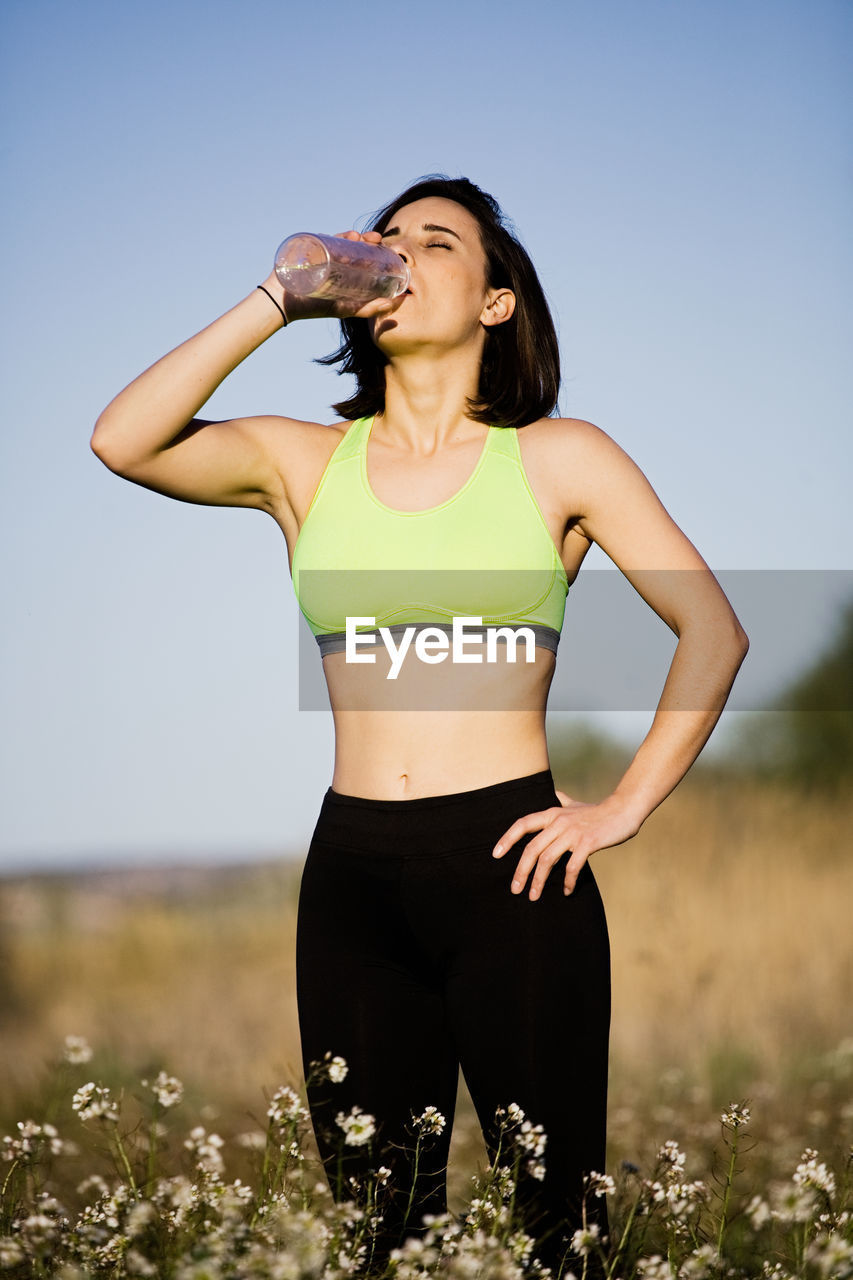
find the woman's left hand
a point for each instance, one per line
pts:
(577, 827)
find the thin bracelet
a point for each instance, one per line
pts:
(275, 304)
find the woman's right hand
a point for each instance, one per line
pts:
(298, 308)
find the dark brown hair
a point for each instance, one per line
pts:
(520, 370)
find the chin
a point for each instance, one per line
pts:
(390, 340)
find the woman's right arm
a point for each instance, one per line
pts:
(150, 433)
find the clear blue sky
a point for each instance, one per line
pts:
(680, 173)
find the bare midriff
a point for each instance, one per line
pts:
(436, 730)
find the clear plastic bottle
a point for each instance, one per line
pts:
(311, 265)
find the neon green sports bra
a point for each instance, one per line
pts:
(485, 553)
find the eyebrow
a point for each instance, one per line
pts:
(427, 226)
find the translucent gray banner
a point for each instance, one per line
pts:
(614, 651)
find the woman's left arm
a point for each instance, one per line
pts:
(616, 507)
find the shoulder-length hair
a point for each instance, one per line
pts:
(520, 369)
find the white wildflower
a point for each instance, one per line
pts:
(536, 1169)
(35, 1141)
(812, 1172)
(175, 1195)
(586, 1239)
(358, 1126)
(137, 1265)
(254, 1140)
(654, 1268)
(303, 1240)
(737, 1115)
(140, 1216)
(93, 1102)
(76, 1050)
(93, 1183)
(832, 1256)
(792, 1203)
(701, 1265)
(431, 1121)
(337, 1068)
(39, 1231)
(531, 1138)
(515, 1115)
(205, 1148)
(11, 1251)
(520, 1245)
(601, 1184)
(670, 1154)
(167, 1090)
(286, 1107)
(113, 1251)
(758, 1212)
(682, 1197)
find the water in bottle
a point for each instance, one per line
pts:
(311, 265)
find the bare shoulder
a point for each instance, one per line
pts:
(570, 461)
(556, 438)
(289, 434)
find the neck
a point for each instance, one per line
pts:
(425, 400)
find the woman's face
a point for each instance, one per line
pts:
(449, 301)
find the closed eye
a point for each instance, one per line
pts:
(438, 244)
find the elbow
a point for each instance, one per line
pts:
(740, 638)
(739, 643)
(98, 446)
(102, 443)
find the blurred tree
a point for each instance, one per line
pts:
(805, 737)
(586, 764)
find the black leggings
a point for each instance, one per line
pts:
(413, 957)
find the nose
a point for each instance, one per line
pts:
(399, 245)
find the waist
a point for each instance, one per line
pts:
(396, 756)
(426, 825)
(408, 686)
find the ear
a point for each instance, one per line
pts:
(500, 305)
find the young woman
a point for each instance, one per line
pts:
(448, 914)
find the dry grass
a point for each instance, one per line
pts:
(729, 917)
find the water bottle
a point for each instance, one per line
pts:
(310, 265)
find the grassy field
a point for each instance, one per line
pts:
(729, 916)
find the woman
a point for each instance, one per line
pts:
(448, 913)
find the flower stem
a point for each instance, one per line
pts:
(727, 1191)
(126, 1164)
(414, 1180)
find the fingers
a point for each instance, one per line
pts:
(539, 857)
(372, 237)
(378, 307)
(521, 827)
(543, 863)
(575, 866)
(563, 798)
(542, 853)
